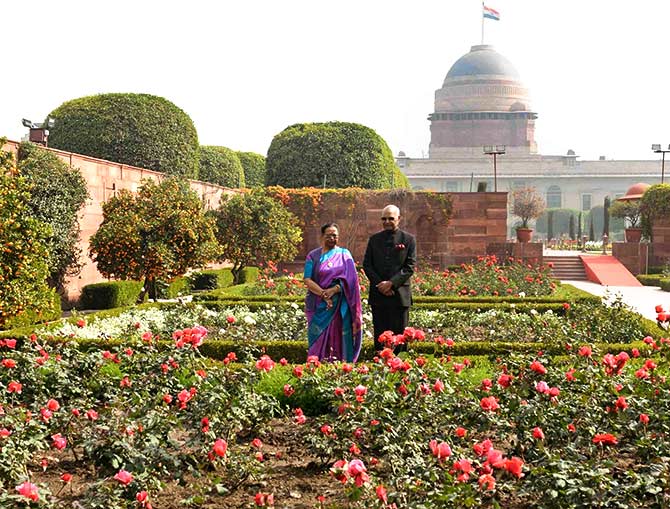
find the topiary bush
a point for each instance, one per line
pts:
(220, 166)
(254, 168)
(137, 129)
(337, 154)
(113, 294)
(211, 279)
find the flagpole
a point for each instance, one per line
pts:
(482, 15)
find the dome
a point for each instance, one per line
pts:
(483, 60)
(635, 192)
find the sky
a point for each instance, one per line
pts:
(244, 70)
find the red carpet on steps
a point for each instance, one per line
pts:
(607, 270)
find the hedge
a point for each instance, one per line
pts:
(137, 129)
(665, 285)
(113, 294)
(296, 351)
(173, 289)
(650, 279)
(211, 279)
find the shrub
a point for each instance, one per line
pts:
(655, 204)
(665, 284)
(247, 236)
(650, 279)
(628, 210)
(332, 154)
(137, 129)
(57, 193)
(220, 166)
(157, 234)
(254, 168)
(173, 289)
(50, 311)
(211, 279)
(114, 294)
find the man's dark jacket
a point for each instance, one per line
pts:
(390, 256)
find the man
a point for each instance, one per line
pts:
(389, 263)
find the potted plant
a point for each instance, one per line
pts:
(629, 211)
(527, 205)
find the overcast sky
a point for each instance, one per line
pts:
(244, 70)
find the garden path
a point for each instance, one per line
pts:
(642, 299)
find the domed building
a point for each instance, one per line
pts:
(483, 103)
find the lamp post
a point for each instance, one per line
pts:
(495, 151)
(657, 148)
(39, 133)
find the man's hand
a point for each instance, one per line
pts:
(385, 288)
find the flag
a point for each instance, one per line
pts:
(491, 13)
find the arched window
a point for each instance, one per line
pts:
(554, 200)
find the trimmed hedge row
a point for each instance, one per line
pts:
(296, 351)
(665, 285)
(211, 279)
(113, 294)
(651, 279)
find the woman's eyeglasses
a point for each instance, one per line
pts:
(331, 235)
(388, 218)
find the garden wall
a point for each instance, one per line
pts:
(449, 227)
(104, 180)
(638, 256)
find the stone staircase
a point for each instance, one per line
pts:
(566, 267)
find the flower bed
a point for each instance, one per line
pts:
(141, 421)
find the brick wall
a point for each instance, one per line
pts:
(478, 219)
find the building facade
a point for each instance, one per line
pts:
(483, 102)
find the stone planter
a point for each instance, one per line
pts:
(524, 234)
(633, 234)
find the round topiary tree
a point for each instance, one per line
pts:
(220, 166)
(332, 154)
(254, 168)
(137, 129)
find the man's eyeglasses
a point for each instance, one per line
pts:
(388, 218)
(331, 235)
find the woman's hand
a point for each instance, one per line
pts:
(329, 292)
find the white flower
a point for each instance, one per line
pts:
(249, 320)
(533, 311)
(295, 305)
(522, 294)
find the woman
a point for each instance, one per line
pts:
(333, 303)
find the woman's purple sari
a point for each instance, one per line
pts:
(335, 333)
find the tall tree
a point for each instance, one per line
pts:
(571, 228)
(606, 216)
(252, 228)
(157, 234)
(57, 193)
(23, 257)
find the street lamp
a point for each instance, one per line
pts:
(657, 148)
(495, 151)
